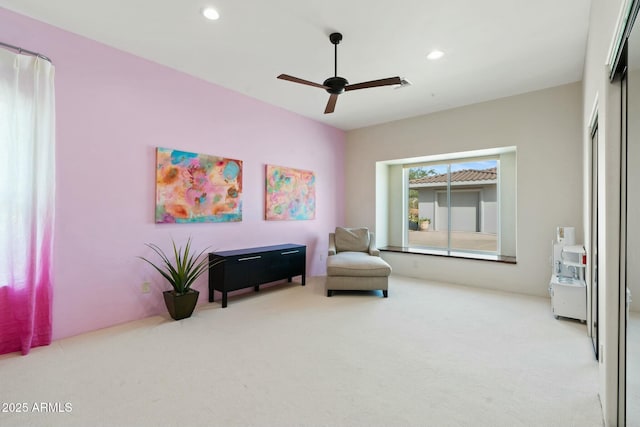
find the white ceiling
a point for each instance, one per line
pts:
(494, 48)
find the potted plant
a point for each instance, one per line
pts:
(181, 273)
(413, 221)
(424, 223)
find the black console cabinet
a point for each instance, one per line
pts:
(244, 268)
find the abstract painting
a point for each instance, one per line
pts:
(193, 187)
(290, 194)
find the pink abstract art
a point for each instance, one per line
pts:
(290, 194)
(193, 187)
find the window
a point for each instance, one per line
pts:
(27, 187)
(453, 206)
(457, 204)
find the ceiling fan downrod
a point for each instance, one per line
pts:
(335, 84)
(335, 39)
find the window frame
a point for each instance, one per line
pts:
(449, 190)
(391, 202)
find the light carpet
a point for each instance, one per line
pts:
(431, 354)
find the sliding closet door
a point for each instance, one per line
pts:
(622, 351)
(595, 338)
(630, 230)
(626, 70)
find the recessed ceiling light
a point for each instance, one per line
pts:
(210, 13)
(435, 54)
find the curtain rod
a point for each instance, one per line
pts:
(21, 50)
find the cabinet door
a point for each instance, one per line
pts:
(295, 260)
(239, 272)
(246, 271)
(236, 276)
(283, 264)
(273, 268)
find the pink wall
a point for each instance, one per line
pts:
(112, 110)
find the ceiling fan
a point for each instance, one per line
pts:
(336, 85)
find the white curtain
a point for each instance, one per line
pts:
(27, 184)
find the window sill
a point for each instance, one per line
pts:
(451, 254)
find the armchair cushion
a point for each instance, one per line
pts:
(352, 239)
(357, 264)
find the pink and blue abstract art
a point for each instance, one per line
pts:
(193, 187)
(290, 194)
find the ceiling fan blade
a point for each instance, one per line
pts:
(301, 81)
(331, 104)
(374, 83)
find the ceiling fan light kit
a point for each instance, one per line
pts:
(336, 85)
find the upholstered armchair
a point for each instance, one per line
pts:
(354, 263)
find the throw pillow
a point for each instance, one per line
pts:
(352, 239)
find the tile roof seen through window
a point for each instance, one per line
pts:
(463, 175)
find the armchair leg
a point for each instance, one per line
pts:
(385, 294)
(329, 292)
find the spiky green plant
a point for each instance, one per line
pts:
(186, 267)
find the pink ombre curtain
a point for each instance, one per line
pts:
(27, 177)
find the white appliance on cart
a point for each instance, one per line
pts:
(567, 286)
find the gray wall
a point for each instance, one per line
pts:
(546, 128)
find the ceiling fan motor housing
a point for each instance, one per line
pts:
(336, 85)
